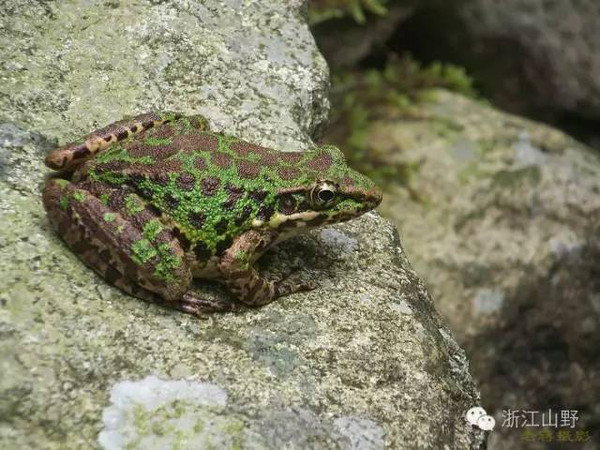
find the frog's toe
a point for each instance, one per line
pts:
(292, 284)
(191, 303)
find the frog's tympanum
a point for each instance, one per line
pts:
(151, 202)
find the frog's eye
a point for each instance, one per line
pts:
(323, 194)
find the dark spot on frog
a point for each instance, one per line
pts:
(183, 240)
(147, 124)
(288, 173)
(221, 226)
(104, 255)
(186, 181)
(116, 200)
(248, 170)
(244, 149)
(107, 138)
(321, 163)
(210, 185)
(287, 204)
(171, 202)
(142, 218)
(112, 166)
(234, 194)
(265, 212)
(81, 152)
(221, 160)
(122, 135)
(317, 220)
(223, 245)
(200, 163)
(244, 215)
(162, 179)
(258, 196)
(191, 142)
(137, 178)
(202, 251)
(111, 274)
(197, 219)
(163, 237)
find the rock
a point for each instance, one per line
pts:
(555, 45)
(345, 43)
(362, 362)
(534, 57)
(506, 237)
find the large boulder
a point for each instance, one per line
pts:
(505, 231)
(363, 362)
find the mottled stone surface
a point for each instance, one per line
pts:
(506, 236)
(70, 67)
(363, 362)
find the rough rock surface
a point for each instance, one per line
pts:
(507, 238)
(363, 362)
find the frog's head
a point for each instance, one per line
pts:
(327, 192)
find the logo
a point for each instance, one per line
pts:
(477, 417)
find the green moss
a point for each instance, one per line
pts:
(109, 217)
(513, 178)
(364, 97)
(322, 10)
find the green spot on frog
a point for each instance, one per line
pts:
(167, 264)
(133, 205)
(143, 251)
(157, 142)
(109, 217)
(104, 199)
(63, 202)
(151, 229)
(62, 183)
(79, 196)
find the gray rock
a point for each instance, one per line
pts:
(547, 54)
(86, 366)
(507, 240)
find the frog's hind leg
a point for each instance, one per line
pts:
(139, 254)
(68, 157)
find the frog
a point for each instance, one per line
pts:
(158, 200)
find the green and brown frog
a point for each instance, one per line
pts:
(151, 202)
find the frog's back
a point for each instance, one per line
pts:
(212, 186)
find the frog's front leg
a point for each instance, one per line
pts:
(244, 281)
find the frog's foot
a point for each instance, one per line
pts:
(193, 304)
